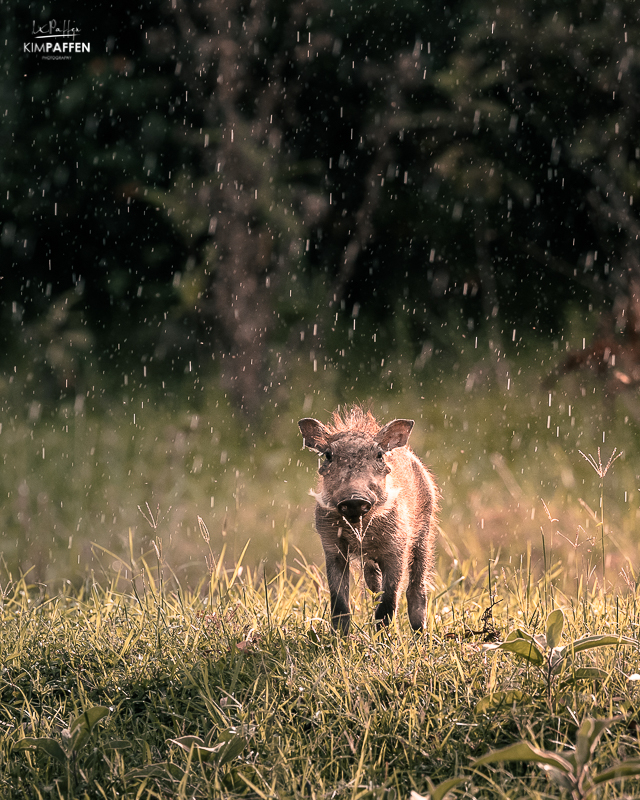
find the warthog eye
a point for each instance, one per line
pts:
(328, 455)
(380, 455)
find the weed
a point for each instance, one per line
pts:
(571, 770)
(72, 740)
(544, 650)
(601, 470)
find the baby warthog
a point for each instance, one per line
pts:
(376, 504)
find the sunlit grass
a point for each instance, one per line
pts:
(174, 578)
(241, 689)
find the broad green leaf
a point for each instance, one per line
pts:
(585, 742)
(586, 673)
(498, 700)
(555, 623)
(556, 660)
(206, 754)
(588, 735)
(231, 748)
(89, 718)
(187, 742)
(604, 640)
(541, 640)
(49, 746)
(438, 792)
(518, 633)
(523, 751)
(521, 647)
(442, 789)
(117, 744)
(628, 769)
(81, 727)
(563, 779)
(174, 771)
(80, 739)
(227, 747)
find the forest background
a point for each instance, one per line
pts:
(229, 215)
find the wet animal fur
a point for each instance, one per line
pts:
(376, 504)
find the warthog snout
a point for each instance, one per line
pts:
(354, 508)
(376, 504)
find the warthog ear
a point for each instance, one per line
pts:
(314, 434)
(395, 434)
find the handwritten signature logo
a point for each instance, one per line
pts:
(52, 31)
(56, 40)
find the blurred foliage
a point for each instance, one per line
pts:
(230, 179)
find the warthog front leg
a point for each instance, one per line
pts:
(391, 573)
(338, 580)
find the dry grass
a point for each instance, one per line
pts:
(173, 583)
(280, 706)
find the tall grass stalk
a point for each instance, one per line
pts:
(601, 470)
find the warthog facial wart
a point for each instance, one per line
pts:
(376, 504)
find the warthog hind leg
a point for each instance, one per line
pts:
(419, 584)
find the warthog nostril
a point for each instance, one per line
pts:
(354, 508)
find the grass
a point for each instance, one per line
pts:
(240, 689)
(164, 627)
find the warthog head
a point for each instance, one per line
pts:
(355, 467)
